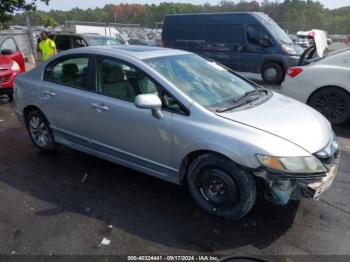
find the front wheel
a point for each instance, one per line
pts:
(221, 187)
(272, 73)
(333, 103)
(40, 132)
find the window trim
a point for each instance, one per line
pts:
(90, 87)
(159, 87)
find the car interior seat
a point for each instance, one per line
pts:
(69, 74)
(114, 83)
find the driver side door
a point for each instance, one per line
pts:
(10, 49)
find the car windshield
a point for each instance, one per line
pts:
(101, 40)
(206, 82)
(275, 30)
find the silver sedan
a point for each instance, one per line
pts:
(179, 117)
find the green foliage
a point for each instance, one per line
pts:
(8, 7)
(292, 15)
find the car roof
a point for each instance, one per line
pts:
(135, 51)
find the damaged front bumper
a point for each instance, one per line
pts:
(283, 187)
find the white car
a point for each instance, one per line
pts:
(324, 85)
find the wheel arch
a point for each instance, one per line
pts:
(29, 109)
(324, 87)
(273, 60)
(190, 157)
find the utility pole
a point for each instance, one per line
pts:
(30, 33)
(265, 4)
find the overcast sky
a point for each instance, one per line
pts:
(84, 4)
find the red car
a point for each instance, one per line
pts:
(11, 64)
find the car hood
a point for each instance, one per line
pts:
(289, 119)
(5, 63)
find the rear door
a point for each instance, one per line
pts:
(10, 49)
(66, 94)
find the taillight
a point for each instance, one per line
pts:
(294, 71)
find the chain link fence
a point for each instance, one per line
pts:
(22, 38)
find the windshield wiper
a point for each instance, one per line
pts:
(249, 93)
(245, 95)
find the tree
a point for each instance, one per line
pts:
(8, 7)
(46, 20)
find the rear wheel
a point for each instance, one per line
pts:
(39, 131)
(272, 73)
(333, 103)
(221, 187)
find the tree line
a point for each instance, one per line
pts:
(291, 15)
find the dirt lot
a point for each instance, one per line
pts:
(66, 203)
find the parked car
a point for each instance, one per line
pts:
(11, 64)
(305, 39)
(245, 42)
(179, 117)
(324, 85)
(65, 41)
(99, 30)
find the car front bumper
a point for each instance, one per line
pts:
(283, 187)
(7, 79)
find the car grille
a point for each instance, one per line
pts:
(4, 79)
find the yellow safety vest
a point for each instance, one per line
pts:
(48, 48)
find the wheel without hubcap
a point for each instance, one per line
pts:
(333, 103)
(221, 187)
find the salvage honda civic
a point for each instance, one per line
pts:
(179, 117)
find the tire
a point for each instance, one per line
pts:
(40, 132)
(10, 97)
(221, 187)
(333, 103)
(272, 73)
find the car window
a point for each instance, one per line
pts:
(9, 44)
(208, 37)
(72, 71)
(62, 42)
(122, 81)
(253, 35)
(206, 82)
(78, 42)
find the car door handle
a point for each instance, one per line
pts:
(49, 93)
(99, 107)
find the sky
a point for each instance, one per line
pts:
(84, 4)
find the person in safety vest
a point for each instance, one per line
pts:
(47, 46)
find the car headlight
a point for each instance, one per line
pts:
(15, 66)
(296, 165)
(289, 50)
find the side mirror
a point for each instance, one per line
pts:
(150, 101)
(265, 41)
